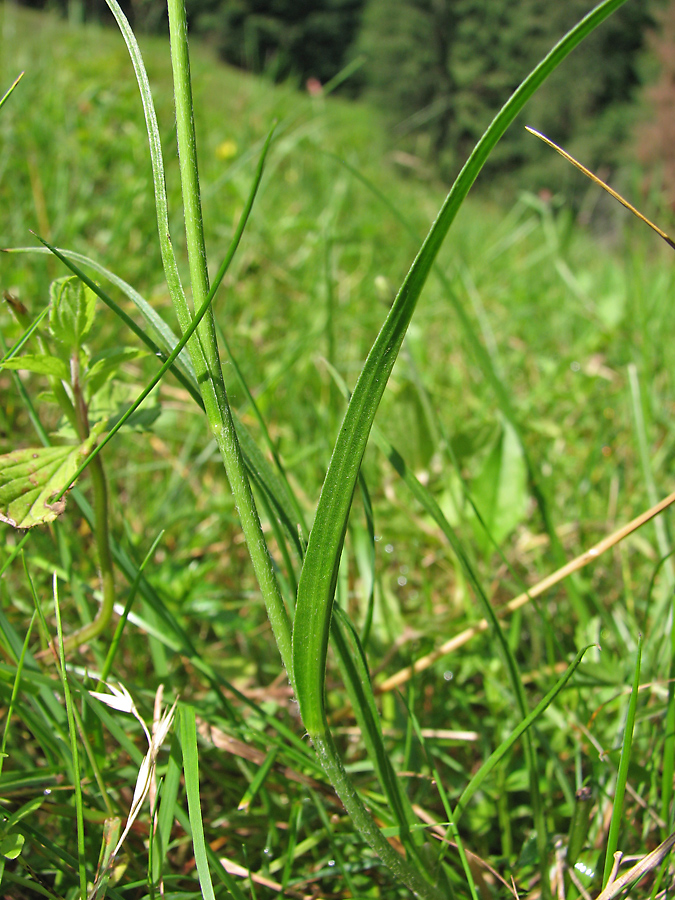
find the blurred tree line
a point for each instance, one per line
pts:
(442, 68)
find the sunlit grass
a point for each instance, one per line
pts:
(561, 313)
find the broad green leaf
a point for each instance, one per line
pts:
(32, 479)
(72, 310)
(500, 489)
(11, 845)
(41, 363)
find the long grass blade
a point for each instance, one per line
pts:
(506, 745)
(161, 204)
(187, 731)
(167, 810)
(319, 574)
(622, 775)
(487, 367)
(15, 690)
(72, 731)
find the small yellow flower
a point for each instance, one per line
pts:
(227, 149)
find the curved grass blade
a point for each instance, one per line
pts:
(487, 367)
(319, 574)
(159, 182)
(506, 745)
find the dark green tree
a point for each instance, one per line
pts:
(444, 68)
(302, 38)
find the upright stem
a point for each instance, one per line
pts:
(101, 524)
(212, 386)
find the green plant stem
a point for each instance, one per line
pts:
(363, 821)
(622, 775)
(212, 385)
(72, 731)
(101, 527)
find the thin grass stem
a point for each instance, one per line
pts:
(15, 689)
(72, 731)
(622, 775)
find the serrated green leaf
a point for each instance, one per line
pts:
(41, 363)
(72, 310)
(31, 479)
(11, 845)
(104, 366)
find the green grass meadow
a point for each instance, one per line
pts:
(533, 403)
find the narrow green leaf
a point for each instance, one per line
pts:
(159, 181)
(258, 780)
(187, 732)
(506, 745)
(319, 573)
(167, 809)
(622, 775)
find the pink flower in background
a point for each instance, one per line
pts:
(314, 87)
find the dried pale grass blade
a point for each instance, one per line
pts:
(439, 829)
(639, 870)
(118, 699)
(601, 183)
(234, 868)
(578, 563)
